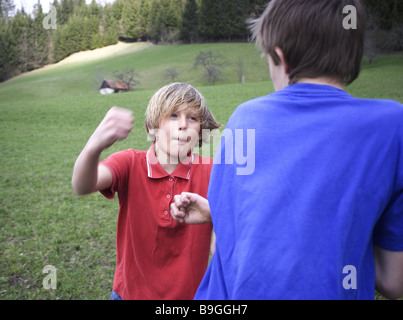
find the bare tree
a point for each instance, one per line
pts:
(211, 63)
(128, 76)
(171, 74)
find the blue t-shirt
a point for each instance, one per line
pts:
(299, 199)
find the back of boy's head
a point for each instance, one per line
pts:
(170, 98)
(313, 38)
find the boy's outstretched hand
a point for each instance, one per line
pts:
(190, 208)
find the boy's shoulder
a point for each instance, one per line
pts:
(299, 100)
(390, 105)
(125, 158)
(129, 153)
(305, 94)
(387, 113)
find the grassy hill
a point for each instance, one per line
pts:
(46, 118)
(78, 76)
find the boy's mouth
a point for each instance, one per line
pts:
(184, 139)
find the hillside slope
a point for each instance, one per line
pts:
(82, 73)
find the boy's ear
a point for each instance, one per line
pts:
(284, 62)
(151, 134)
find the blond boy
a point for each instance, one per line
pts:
(157, 258)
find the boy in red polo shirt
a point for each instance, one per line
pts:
(157, 258)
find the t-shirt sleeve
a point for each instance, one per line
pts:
(119, 163)
(389, 229)
(388, 232)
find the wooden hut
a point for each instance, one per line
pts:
(109, 86)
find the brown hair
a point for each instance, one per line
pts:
(312, 37)
(170, 98)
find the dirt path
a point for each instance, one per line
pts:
(113, 50)
(116, 50)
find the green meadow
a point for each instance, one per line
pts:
(47, 117)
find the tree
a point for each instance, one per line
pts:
(40, 40)
(211, 63)
(209, 19)
(190, 22)
(233, 24)
(145, 18)
(110, 22)
(128, 76)
(21, 27)
(6, 9)
(130, 19)
(225, 19)
(170, 74)
(384, 27)
(389, 13)
(170, 15)
(8, 51)
(65, 11)
(155, 21)
(256, 7)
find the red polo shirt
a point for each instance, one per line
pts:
(157, 258)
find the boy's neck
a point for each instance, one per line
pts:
(323, 81)
(169, 164)
(168, 167)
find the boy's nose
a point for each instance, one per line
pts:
(183, 123)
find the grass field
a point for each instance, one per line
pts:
(46, 118)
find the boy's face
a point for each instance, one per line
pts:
(177, 135)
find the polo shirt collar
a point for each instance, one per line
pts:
(156, 171)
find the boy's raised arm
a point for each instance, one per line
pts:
(88, 175)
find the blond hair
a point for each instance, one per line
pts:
(170, 98)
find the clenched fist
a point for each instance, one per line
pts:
(116, 125)
(190, 208)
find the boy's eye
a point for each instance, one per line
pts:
(174, 115)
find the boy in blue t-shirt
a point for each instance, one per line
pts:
(320, 216)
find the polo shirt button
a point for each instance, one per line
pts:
(165, 212)
(170, 179)
(168, 196)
